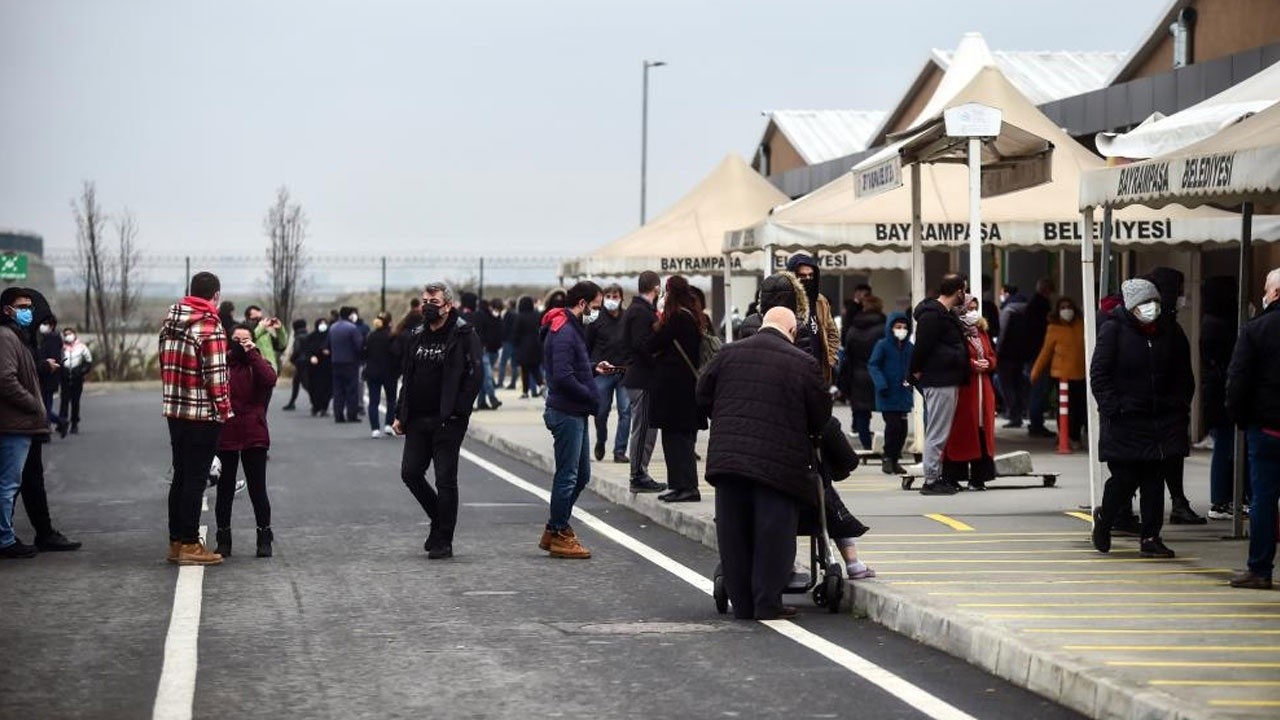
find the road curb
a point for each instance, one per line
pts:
(1038, 667)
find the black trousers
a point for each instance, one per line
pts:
(346, 391)
(982, 470)
(679, 451)
(299, 382)
(193, 444)
(71, 392)
(756, 531)
(255, 475)
(34, 498)
(1128, 477)
(530, 377)
(895, 434)
(426, 443)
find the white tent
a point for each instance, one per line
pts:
(1161, 135)
(686, 238)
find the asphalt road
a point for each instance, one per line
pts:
(350, 620)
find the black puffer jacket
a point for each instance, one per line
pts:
(1253, 379)
(1218, 330)
(859, 340)
(765, 399)
(941, 355)
(1144, 385)
(637, 331)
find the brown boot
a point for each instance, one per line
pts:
(173, 551)
(196, 554)
(545, 542)
(564, 544)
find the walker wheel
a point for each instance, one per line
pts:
(1050, 480)
(907, 482)
(834, 591)
(820, 595)
(721, 596)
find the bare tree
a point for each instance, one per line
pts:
(286, 229)
(112, 283)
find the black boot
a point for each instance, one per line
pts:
(224, 542)
(889, 466)
(265, 537)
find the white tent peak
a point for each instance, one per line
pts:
(970, 57)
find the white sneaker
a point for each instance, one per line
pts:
(388, 430)
(375, 434)
(1205, 444)
(240, 484)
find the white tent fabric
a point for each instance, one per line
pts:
(1161, 135)
(1045, 216)
(686, 237)
(1240, 163)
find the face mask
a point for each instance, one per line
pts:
(1004, 299)
(322, 327)
(1067, 314)
(69, 338)
(44, 329)
(901, 333)
(237, 351)
(807, 282)
(353, 317)
(611, 305)
(1148, 312)
(971, 317)
(590, 316)
(431, 313)
(22, 316)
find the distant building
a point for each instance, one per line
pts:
(30, 245)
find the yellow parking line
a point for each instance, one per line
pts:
(1041, 561)
(1174, 571)
(981, 534)
(1073, 593)
(965, 541)
(950, 522)
(1119, 604)
(1178, 664)
(1217, 683)
(1175, 648)
(1145, 631)
(1134, 616)
(1040, 553)
(1080, 516)
(1245, 703)
(1058, 581)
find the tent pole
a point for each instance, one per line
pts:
(728, 298)
(975, 219)
(767, 265)
(1089, 305)
(1104, 285)
(917, 282)
(1246, 272)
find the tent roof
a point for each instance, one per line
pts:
(686, 237)
(1161, 135)
(1241, 163)
(1042, 216)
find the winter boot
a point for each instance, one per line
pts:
(265, 538)
(1182, 514)
(888, 466)
(224, 543)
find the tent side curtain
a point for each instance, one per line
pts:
(1229, 177)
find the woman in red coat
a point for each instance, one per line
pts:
(972, 445)
(245, 439)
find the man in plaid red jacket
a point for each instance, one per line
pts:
(197, 401)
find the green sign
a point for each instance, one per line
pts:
(13, 267)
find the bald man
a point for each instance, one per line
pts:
(765, 399)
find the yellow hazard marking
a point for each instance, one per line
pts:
(1175, 648)
(966, 541)
(1120, 604)
(1059, 581)
(1167, 571)
(1075, 534)
(950, 522)
(1145, 631)
(1218, 683)
(1076, 593)
(1181, 664)
(1135, 616)
(1245, 703)
(1039, 553)
(1079, 515)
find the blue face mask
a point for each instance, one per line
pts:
(22, 316)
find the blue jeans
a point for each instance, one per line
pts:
(573, 464)
(377, 389)
(507, 360)
(609, 387)
(1039, 390)
(1222, 466)
(1264, 475)
(487, 389)
(13, 456)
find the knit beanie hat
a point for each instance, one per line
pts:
(1137, 292)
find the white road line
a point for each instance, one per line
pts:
(911, 694)
(176, 694)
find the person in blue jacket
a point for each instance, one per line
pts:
(889, 362)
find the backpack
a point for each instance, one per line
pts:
(708, 346)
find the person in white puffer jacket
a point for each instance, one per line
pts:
(77, 361)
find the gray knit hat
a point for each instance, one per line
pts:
(1138, 291)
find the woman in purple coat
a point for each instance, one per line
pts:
(245, 439)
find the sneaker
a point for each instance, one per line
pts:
(1184, 515)
(938, 488)
(566, 545)
(977, 486)
(442, 552)
(1205, 444)
(388, 431)
(17, 551)
(1250, 580)
(494, 404)
(56, 542)
(1101, 535)
(1154, 548)
(196, 554)
(599, 451)
(1012, 425)
(1221, 511)
(375, 434)
(289, 408)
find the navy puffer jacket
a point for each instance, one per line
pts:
(890, 360)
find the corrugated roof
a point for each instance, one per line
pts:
(1045, 76)
(821, 135)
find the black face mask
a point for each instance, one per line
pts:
(431, 313)
(237, 351)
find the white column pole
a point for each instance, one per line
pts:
(975, 219)
(917, 285)
(728, 298)
(1089, 306)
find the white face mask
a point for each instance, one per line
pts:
(901, 333)
(611, 305)
(1148, 312)
(1067, 314)
(44, 329)
(971, 317)
(353, 317)
(69, 338)
(322, 327)
(590, 316)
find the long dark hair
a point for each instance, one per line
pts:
(679, 297)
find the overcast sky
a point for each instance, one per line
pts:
(478, 126)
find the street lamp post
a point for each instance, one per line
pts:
(644, 132)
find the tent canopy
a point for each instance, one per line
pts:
(686, 237)
(1161, 135)
(1239, 164)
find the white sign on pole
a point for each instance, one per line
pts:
(972, 120)
(879, 178)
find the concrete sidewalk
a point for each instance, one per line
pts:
(1008, 580)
